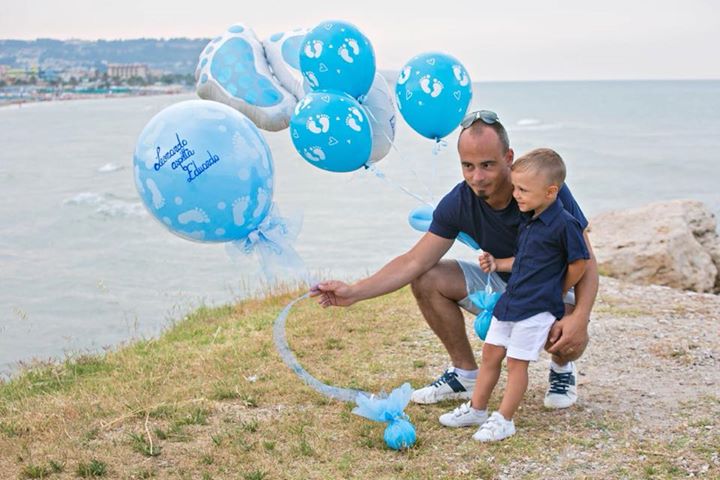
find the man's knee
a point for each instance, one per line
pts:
(445, 278)
(566, 356)
(425, 283)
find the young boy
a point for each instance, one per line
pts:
(550, 258)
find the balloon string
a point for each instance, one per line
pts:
(405, 162)
(439, 146)
(379, 174)
(337, 393)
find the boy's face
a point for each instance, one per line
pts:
(532, 190)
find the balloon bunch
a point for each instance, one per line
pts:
(323, 84)
(268, 82)
(205, 172)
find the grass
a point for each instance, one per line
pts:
(211, 399)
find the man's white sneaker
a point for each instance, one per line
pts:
(494, 429)
(464, 416)
(562, 391)
(450, 386)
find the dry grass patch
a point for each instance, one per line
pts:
(211, 399)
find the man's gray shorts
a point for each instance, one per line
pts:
(476, 279)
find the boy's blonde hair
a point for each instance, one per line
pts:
(545, 161)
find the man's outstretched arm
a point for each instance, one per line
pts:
(394, 275)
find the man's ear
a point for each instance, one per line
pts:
(509, 156)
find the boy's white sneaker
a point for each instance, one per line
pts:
(496, 428)
(450, 386)
(562, 391)
(463, 416)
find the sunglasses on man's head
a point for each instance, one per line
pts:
(486, 116)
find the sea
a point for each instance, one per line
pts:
(84, 268)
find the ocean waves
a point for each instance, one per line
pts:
(107, 205)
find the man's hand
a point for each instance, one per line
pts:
(487, 262)
(568, 337)
(332, 293)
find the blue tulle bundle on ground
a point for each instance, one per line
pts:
(400, 433)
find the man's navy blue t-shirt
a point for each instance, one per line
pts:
(546, 245)
(495, 231)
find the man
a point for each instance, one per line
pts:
(483, 207)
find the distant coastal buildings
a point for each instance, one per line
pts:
(48, 69)
(127, 71)
(33, 84)
(35, 75)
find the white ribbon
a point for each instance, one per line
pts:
(272, 243)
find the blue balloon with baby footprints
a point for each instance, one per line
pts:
(433, 92)
(335, 55)
(234, 70)
(331, 131)
(204, 171)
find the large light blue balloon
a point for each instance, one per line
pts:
(433, 92)
(335, 55)
(204, 171)
(331, 131)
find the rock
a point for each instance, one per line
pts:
(671, 243)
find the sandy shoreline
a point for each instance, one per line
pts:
(89, 96)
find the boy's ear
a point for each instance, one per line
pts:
(552, 190)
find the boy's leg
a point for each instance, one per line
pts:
(492, 357)
(517, 383)
(500, 424)
(474, 412)
(525, 344)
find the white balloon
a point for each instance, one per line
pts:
(381, 110)
(283, 54)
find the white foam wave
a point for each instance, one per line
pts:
(107, 205)
(85, 198)
(110, 167)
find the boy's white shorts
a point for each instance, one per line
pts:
(525, 339)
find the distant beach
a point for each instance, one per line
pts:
(66, 95)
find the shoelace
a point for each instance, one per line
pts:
(447, 376)
(560, 382)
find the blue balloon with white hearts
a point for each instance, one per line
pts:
(331, 131)
(433, 92)
(335, 55)
(204, 171)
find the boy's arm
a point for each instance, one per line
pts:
(575, 271)
(504, 264)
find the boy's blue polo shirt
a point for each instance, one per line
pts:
(546, 245)
(494, 230)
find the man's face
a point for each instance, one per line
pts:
(531, 190)
(484, 166)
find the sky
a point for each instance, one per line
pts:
(514, 40)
